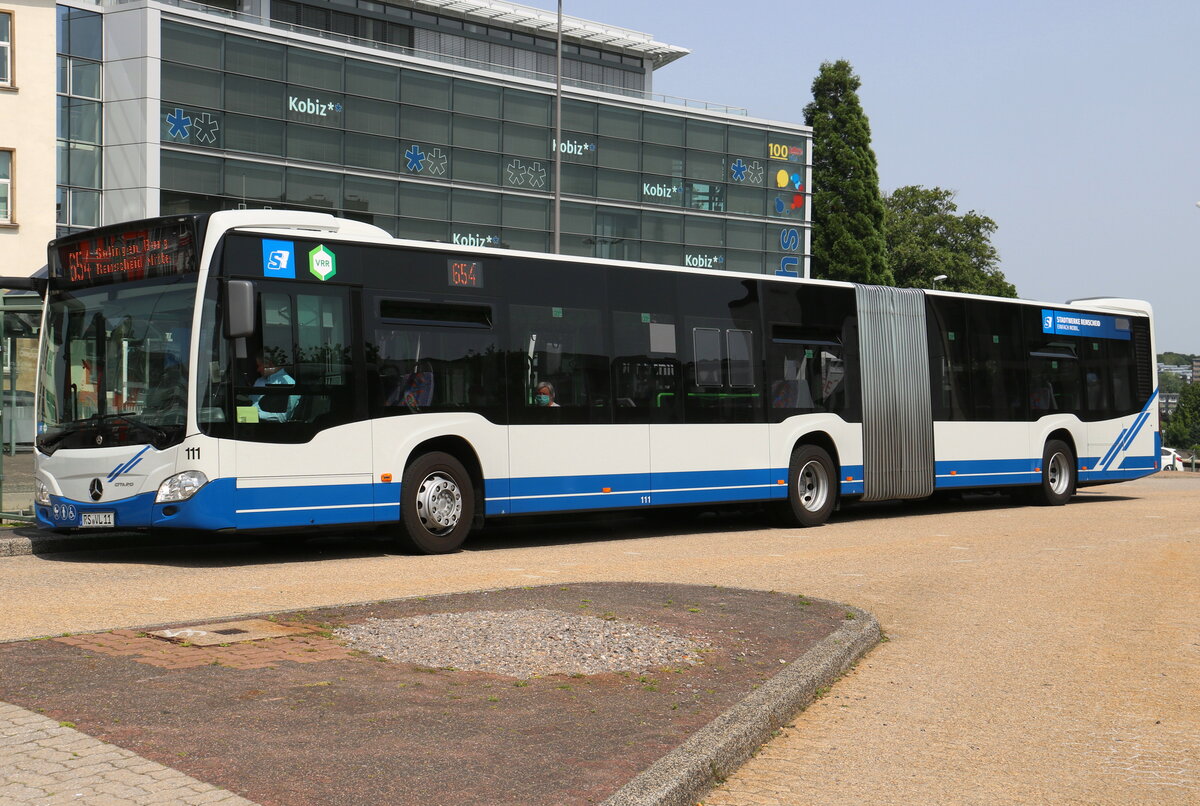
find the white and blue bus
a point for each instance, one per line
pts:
(261, 371)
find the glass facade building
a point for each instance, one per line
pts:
(432, 123)
(79, 135)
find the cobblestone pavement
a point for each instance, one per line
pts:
(43, 763)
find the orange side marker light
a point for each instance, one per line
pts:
(386, 478)
(606, 489)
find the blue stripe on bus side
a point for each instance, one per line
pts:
(852, 481)
(562, 493)
(320, 505)
(985, 472)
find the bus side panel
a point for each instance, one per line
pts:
(325, 481)
(395, 439)
(847, 440)
(559, 468)
(1124, 448)
(711, 463)
(984, 454)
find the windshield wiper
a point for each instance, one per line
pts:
(158, 436)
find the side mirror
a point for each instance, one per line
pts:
(239, 309)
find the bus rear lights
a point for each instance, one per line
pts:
(41, 493)
(180, 487)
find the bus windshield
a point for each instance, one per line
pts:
(115, 364)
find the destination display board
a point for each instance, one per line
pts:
(124, 254)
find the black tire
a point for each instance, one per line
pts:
(1059, 475)
(812, 487)
(437, 504)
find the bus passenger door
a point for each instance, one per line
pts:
(302, 450)
(709, 442)
(567, 452)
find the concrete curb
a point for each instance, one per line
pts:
(720, 747)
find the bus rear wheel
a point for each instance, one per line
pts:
(1058, 475)
(812, 487)
(437, 504)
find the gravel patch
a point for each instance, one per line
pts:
(521, 643)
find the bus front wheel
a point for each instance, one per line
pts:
(1058, 475)
(437, 503)
(812, 486)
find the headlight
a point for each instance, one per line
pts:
(41, 493)
(180, 487)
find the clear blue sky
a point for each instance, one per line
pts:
(1074, 125)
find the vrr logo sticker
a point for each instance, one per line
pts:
(322, 263)
(279, 259)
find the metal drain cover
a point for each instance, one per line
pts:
(228, 632)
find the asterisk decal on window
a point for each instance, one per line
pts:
(535, 174)
(205, 127)
(516, 173)
(437, 162)
(179, 123)
(754, 172)
(415, 157)
(738, 170)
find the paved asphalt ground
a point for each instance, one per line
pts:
(1033, 655)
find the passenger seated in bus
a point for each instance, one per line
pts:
(415, 390)
(1041, 398)
(543, 395)
(271, 407)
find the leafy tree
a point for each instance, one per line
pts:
(1184, 429)
(847, 241)
(927, 237)
(1170, 382)
(1175, 359)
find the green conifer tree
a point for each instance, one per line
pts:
(848, 241)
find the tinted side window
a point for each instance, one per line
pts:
(558, 346)
(997, 361)
(949, 368)
(300, 374)
(428, 355)
(645, 356)
(722, 369)
(811, 351)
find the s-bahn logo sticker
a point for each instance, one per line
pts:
(322, 263)
(279, 259)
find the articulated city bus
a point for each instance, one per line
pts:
(260, 371)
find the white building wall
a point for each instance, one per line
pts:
(27, 126)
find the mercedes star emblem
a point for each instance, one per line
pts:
(96, 489)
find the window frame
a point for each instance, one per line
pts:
(7, 80)
(7, 218)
